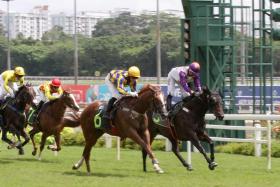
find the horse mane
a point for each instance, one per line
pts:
(146, 87)
(52, 101)
(19, 90)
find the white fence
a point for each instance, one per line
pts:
(257, 140)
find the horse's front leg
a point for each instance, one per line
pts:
(26, 140)
(42, 145)
(56, 146)
(195, 141)
(145, 144)
(205, 138)
(32, 133)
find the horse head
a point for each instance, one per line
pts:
(25, 95)
(154, 93)
(214, 101)
(69, 100)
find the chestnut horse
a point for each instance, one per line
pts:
(50, 120)
(14, 116)
(188, 124)
(130, 120)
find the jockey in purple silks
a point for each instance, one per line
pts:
(182, 76)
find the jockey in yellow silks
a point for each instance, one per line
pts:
(50, 90)
(9, 80)
(117, 80)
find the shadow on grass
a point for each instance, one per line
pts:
(94, 174)
(28, 160)
(5, 162)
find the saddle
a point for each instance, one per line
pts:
(178, 106)
(100, 122)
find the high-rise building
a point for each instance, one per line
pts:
(86, 22)
(38, 21)
(2, 21)
(33, 24)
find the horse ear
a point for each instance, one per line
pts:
(28, 84)
(205, 89)
(67, 90)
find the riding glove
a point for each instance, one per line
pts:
(133, 94)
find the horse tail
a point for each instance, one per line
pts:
(71, 120)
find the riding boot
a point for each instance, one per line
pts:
(1, 121)
(169, 102)
(37, 110)
(107, 113)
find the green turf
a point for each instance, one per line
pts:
(233, 170)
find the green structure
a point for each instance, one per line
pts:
(232, 48)
(233, 44)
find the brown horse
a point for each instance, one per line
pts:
(130, 121)
(189, 124)
(50, 120)
(14, 116)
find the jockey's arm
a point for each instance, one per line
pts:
(133, 86)
(21, 81)
(60, 91)
(49, 95)
(197, 84)
(6, 82)
(183, 82)
(120, 86)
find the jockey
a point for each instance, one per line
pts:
(8, 85)
(182, 76)
(8, 82)
(117, 80)
(49, 91)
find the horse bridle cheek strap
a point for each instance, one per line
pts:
(133, 113)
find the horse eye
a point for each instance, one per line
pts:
(214, 99)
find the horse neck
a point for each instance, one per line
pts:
(198, 106)
(142, 103)
(59, 107)
(20, 105)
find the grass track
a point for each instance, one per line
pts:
(233, 170)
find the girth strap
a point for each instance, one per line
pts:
(133, 112)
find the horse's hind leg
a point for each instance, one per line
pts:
(90, 138)
(175, 150)
(32, 134)
(5, 138)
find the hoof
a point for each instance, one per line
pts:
(74, 167)
(21, 152)
(160, 171)
(212, 165)
(189, 168)
(34, 152)
(11, 146)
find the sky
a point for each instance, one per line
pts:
(56, 6)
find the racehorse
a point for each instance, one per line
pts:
(188, 124)
(14, 116)
(130, 120)
(50, 120)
